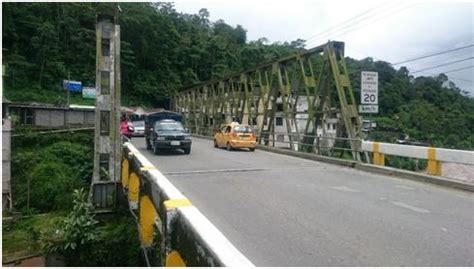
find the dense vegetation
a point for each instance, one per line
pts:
(47, 168)
(55, 171)
(80, 238)
(163, 50)
(83, 240)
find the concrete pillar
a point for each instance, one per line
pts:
(107, 148)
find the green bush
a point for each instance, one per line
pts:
(116, 244)
(54, 167)
(405, 163)
(84, 241)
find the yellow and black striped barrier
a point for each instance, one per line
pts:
(171, 229)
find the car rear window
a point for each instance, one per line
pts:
(138, 123)
(242, 129)
(169, 126)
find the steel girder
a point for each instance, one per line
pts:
(257, 95)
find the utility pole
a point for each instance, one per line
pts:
(107, 140)
(67, 88)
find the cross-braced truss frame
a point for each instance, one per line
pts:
(256, 96)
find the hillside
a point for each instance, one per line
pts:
(164, 50)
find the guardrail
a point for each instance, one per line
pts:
(169, 222)
(435, 156)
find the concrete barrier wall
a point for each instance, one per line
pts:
(442, 154)
(435, 156)
(186, 236)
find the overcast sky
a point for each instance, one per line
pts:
(392, 31)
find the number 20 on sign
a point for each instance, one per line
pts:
(369, 88)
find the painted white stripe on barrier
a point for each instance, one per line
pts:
(404, 150)
(442, 154)
(217, 243)
(455, 156)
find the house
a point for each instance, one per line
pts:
(51, 116)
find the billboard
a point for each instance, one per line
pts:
(89, 92)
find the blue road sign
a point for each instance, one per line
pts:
(72, 86)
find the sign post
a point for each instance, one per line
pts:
(369, 91)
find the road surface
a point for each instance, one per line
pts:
(285, 211)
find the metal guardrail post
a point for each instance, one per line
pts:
(379, 158)
(434, 166)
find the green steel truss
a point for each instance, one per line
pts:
(255, 96)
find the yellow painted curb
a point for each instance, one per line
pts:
(173, 259)
(147, 168)
(125, 173)
(147, 220)
(133, 188)
(176, 203)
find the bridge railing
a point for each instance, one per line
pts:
(435, 156)
(170, 227)
(374, 152)
(294, 141)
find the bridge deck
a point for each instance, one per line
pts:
(284, 211)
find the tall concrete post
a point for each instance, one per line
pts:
(6, 154)
(107, 148)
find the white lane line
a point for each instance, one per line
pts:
(214, 171)
(344, 188)
(407, 206)
(236, 170)
(404, 187)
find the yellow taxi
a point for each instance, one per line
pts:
(235, 135)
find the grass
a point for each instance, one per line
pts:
(20, 237)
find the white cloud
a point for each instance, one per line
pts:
(393, 30)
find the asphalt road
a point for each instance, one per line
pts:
(285, 211)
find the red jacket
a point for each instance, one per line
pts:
(126, 128)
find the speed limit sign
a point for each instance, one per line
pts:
(369, 88)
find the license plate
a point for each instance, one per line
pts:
(175, 143)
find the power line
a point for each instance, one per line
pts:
(433, 54)
(356, 26)
(434, 74)
(453, 56)
(449, 77)
(330, 29)
(459, 69)
(429, 68)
